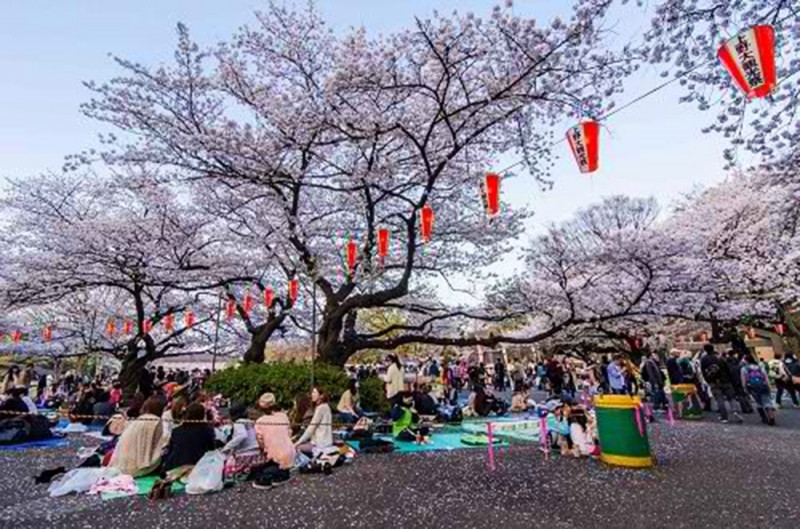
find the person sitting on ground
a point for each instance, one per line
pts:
(579, 433)
(519, 401)
(301, 413)
(190, 440)
(243, 444)
(13, 405)
(319, 433)
(173, 414)
(115, 395)
(424, 402)
(103, 410)
(484, 403)
(348, 408)
(273, 434)
(405, 421)
(138, 450)
(755, 381)
(559, 426)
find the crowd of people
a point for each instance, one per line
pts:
(171, 423)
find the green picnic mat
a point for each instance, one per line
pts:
(145, 485)
(438, 441)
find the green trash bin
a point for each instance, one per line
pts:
(621, 443)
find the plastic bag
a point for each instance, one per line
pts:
(80, 480)
(206, 476)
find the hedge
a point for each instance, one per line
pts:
(287, 380)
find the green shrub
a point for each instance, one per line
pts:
(286, 380)
(372, 395)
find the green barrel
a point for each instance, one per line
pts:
(680, 395)
(620, 441)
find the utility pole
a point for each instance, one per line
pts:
(216, 337)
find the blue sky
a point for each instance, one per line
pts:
(48, 47)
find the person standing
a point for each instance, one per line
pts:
(499, 375)
(655, 378)
(780, 377)
(755, 381)
(717, 375)
(616, 376)
(673, 368)
(395, 382)
(792, 371)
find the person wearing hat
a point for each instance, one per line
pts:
(274, 435)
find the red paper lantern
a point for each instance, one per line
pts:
(269, 296)
(352, 256)
(47, 333)
(779, 328)
(426, 223)
(492, 191)
(169, 322)
(294, 289)
(750, 59)
(111, 327)
(147, 326)
(383, 243)
(230, 309)
(127, 326)
(188, 318)
(584, 140)
(248, 302)
(16, 336)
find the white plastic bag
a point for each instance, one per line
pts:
(206, 476)
(80, 480)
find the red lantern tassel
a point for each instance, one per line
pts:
(147, 326)
(294, 290)
(111, 327)
(16, 336)
(47, 333)
(127, 326)
(230, 309)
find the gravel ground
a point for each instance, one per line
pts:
(709, 475)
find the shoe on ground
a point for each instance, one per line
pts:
(723, 421)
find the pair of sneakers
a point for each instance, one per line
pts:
(267, 481)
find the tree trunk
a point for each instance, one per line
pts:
(330, 348)
(130, 374)
(259, 339)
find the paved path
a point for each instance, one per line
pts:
(710, 475)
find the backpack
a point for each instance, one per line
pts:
(756, 380)
(711, 371)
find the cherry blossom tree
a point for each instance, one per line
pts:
(314, 134)
(121, 247)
